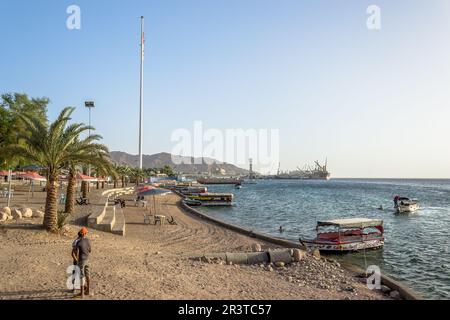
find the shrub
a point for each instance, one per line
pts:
(62, 219)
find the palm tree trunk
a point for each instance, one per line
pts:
(51, 204)
(123, 181)
(84, 189)
(115, 184)
(98, 185)
(103, 184)
(70, 194)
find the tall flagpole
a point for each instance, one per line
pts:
(141, 100)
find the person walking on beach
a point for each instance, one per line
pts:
(83, 250)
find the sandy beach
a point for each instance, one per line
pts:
(155, 262)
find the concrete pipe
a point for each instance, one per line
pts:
(280, 256)
(237, 258)
(257, 257)
(221, 256)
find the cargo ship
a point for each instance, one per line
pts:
(317, 172)
(219, 180)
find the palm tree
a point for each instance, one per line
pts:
(87, 153)
(84, 184)
(137, 175)
(105, 170)
(124, 172)
(115, 174)
(51, 146)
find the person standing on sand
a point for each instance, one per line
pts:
(82, 250)
(75, 255)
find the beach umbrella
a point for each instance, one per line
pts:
(86, 178)
(31, 168)
(5, 173)
(32, 176)
(151, 191)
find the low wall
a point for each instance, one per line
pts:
(405, 292)
(241, 230)
(94, 220)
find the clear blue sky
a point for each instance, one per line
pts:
(376, 103)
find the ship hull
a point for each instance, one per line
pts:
(219, 181)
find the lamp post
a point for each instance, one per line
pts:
(9, 187)
(89, 105)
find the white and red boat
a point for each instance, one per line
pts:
(406, 205)
(351, 234)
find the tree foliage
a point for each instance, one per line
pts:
(12, 126)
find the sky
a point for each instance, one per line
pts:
(375, 103)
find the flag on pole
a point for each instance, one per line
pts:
(142, 39)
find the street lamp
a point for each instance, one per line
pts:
(89, 105)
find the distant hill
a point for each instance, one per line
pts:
(162, 159)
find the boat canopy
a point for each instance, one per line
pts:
(352, 223)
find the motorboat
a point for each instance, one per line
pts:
(406, 205)
(192, 203)
(350, 234)
(213, 199)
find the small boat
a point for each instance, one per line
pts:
(192, 203)
(213, 199)
(343, 235)
(187, 191)
(406, 205)
(238, 186)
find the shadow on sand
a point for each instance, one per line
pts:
(38, 295)
(22, 226)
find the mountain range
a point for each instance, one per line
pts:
(188, 165)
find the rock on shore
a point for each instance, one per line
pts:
(38, 214)
(27, 213)
(16, 214)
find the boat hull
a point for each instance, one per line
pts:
(215, 204)
(344, 246)
(407, 208)
(192, 203)
(219, 180)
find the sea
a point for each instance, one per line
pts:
(416, 250)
